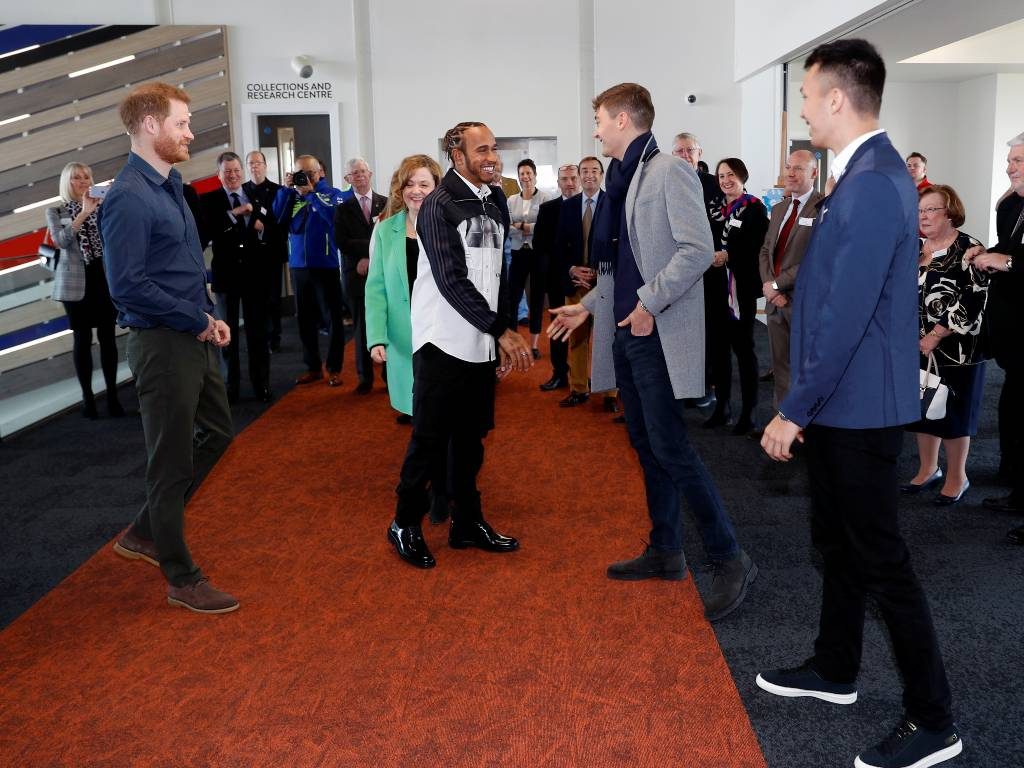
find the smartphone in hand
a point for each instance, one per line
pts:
(98, 191)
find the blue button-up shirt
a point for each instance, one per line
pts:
(151, 251)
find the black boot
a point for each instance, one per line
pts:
(652, 564)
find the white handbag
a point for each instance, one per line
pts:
(933, 392)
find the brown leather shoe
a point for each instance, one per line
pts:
(309, 377)
(201, 597)
(132, 547)
(334, 379)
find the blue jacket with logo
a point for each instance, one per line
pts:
(309, 221)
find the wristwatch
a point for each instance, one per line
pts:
(775, 286)
(1009, 263)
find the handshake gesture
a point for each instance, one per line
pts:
(217, 332)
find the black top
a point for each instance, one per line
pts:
(1002, 315)
(742, 237)
(952, 294)
(412, 255)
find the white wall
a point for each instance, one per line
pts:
(648, 42)
(1008, 122)
(761, 128)
(767, 33)
(974, 125)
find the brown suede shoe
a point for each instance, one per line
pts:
(201, 597)
(309, 377)
(130, 546)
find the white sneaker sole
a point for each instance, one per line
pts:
(933, 759)
(832, 698)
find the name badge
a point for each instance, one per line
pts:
(734, 222)
(263, 211)
(806, 222)
(65, 222)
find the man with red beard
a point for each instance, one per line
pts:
(157, 280)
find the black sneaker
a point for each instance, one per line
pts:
(911, 746)
(804, 681)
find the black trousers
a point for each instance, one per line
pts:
(726, 333)
(555, 289)
(187, 425)
(253, 302)
(355, 297)
(452, 412)
(854, 525)
(1011, 429)
(315, 286)
(526, 264)
(275, 286)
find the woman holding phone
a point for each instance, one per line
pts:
(80, 283)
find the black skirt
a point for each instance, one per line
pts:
(95, 308)
(963, 406)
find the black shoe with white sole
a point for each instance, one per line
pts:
(912, 746)
(804, 681)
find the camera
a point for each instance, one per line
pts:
(303, 66)
(692, 99)
(300, 179)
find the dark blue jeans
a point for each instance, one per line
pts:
(672, 469)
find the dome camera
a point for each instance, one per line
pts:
(691, 99)
(303, 66)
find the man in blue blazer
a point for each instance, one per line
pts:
(854, 359)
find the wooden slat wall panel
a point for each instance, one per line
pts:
(98, 127)
(105, 100)
(62, 65)
(50, 168)
(200, 166)
(66, 89)
(28, 315)
(107, 165)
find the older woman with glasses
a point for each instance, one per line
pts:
(951, 296)
(80, 283)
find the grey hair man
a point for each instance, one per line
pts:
(789, 232)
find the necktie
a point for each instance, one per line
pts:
(366, 207)
(236, 201)
(780, 244)
(588, 219)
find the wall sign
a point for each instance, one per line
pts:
(264, 91)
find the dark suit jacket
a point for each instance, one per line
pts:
(274, 242)
(545, 232)
(854, 338)
(1002, 315)
(569, 240)
(236, 253)
(351, 230)
(799, 237)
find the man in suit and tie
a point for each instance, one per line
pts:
(854, 385)
(273, 242)
(788, 234)
(241, 271)
(353, 225)
(648, 309)
(580, 276)
(545, 234)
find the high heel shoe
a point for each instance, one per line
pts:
(942, 500)
(912, 489)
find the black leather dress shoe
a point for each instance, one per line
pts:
(942, 500)
(574, 399)
(264, 394)
(1002, 504)
(479, 534)
(364, 387)
(410, 546)
(555, 382)
(912, 489)
(611, 405)
(1016, 535)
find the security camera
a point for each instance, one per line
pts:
(303, 66)
(692, 99)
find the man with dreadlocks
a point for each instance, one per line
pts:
(459, 336)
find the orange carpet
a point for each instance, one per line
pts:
(342, 655)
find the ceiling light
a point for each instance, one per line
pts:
(104, 65)
(14, 119)
(20, 50)
(41, 203)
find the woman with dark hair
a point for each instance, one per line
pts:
(523, 209)
(394, 253)
(951, 301)
(732, 310)
(80, 283)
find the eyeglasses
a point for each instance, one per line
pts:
(567, 166)
(687, 150)
(923, 211)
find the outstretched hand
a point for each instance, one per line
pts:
(566, 320)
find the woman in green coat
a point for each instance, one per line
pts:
(394, 254)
